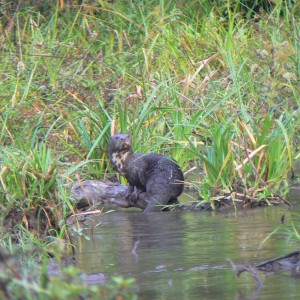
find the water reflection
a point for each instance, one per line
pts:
(183, 255)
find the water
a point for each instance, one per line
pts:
(184, 255)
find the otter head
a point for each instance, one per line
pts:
(120, 147)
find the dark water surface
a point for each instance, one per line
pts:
(184, 255)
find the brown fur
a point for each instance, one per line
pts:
(153, 178)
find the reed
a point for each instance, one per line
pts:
(215, 85)
(173, 76)
(168, 74)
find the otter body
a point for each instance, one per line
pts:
(153, 178)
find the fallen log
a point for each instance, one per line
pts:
(106, 193)
(97, 192)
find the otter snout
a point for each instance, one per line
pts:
(120, 142)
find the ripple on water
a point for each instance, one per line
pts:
(185, 254)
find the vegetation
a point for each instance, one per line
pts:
(214, 84)
(33, 282)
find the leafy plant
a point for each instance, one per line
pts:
(68, 282)
(213, 85)
(248, 161)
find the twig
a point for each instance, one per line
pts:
(238, 269)
(133, 251)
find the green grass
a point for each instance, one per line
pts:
(287, 230)
(209, 83)
(22, 278)
(173, 76)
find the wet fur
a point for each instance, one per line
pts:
(153, 178)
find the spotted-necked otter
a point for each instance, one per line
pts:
(154, 178)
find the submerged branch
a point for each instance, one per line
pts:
(289, 261)
(238, 269)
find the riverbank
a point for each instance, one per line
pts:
(214, 86)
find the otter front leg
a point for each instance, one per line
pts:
(133, 191)
(132, 199)
(129, 199)
(137, 200)
(129, 190)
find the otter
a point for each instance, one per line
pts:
(155, 179)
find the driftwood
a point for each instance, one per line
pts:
(239, 269)
(96, 192)
(289, 261)
(101, 193)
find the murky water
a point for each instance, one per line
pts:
(184, 255)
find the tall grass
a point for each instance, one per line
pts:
(214, 86)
